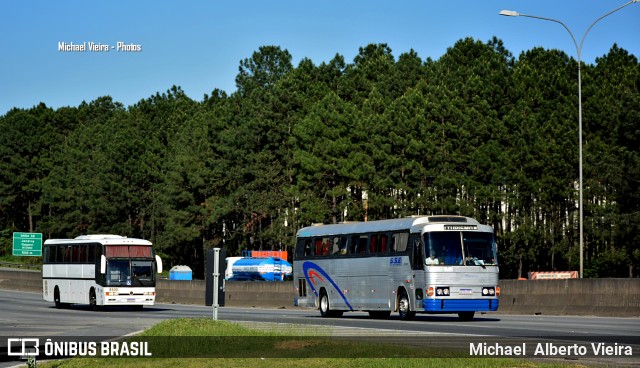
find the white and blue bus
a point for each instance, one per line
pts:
(100, 270)
(423, 264)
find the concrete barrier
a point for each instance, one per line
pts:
(180, 292)
(21, 280)
(597, 297)
(237, 293)
(259, 294)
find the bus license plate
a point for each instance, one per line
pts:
(466, 291)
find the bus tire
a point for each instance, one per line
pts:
(325, 309)
(404, 307)
(466, 316)
(93, 303)
(56, 298)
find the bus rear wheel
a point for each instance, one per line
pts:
(325, 309)
(56, 299)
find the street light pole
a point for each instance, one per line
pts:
(511, 13)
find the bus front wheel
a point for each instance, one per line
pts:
(93, 304)
(404, 307)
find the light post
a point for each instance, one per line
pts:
(511, 13)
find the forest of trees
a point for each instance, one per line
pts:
(477, 132)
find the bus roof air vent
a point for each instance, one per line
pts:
(447, 219)
(99, 236)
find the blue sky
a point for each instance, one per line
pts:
(198, 45)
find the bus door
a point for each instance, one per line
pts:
(418, 274)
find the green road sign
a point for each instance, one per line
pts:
(27, 244)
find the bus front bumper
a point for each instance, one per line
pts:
(459, 305)
(129, 300)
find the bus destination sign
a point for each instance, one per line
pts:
(460, 227)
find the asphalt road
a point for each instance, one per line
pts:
(24, 314)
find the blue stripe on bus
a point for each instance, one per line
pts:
(309, 266)
(459, 305)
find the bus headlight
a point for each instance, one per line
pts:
(442, 291)
(488, 291)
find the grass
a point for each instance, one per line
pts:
(31, 262)
(13, 259)
(200, 342)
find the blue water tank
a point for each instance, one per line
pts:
(265, 269)
(180, 273)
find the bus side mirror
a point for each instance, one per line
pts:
(159, 264)
(103, 264)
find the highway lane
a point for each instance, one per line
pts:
(24, 314)
(27, 313)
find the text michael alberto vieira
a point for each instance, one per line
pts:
(550, 349)
(120, 46)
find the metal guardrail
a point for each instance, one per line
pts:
(20, 265)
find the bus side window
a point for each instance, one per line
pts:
(47, 255)
(75, 253)
(353, 245)
(91, 256)
(335, 245)
(307, 248)
(399, 242)
(68, 254)
(303, 248)
(318, 247)
(344, 249)
(52, 253)
(362, 244)
(373, 248)
(383, 243)
(339, 246)
(378, 244)
(326, 244)
(59, 253)
(83, 253)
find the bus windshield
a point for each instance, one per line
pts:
(459, 249)
(125, 272)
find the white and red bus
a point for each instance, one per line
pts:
(100, 270)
